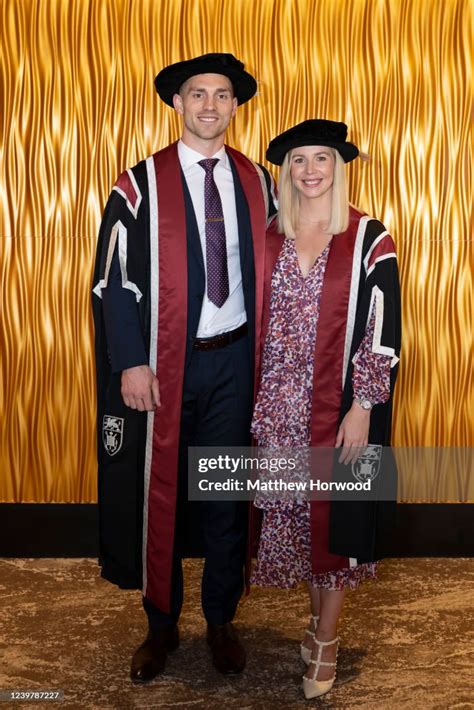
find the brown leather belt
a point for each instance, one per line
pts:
(221, 340)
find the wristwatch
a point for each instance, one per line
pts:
(364, 403)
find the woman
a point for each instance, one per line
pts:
(328, 368)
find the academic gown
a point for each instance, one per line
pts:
(361, 272)
(150, 221)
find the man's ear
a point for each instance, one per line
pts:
(178, 104)
(235, 104)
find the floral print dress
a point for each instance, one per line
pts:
(282, 417)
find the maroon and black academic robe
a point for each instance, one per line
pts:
(146, 222)
(361, 274)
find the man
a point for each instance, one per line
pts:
(177, 308)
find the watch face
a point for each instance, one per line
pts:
(365, 404)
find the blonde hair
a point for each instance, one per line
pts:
(289, 198)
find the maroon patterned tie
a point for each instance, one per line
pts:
(216, 253)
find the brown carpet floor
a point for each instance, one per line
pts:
(406, 641)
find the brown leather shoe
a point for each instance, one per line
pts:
(228, 654)
(150, 658)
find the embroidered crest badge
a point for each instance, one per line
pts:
(367, 466)
(112, 434)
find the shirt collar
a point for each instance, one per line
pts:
(188, 156)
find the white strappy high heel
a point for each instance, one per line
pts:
(304, 651)
(314, 688)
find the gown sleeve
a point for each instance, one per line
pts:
(271, 193)
(122, 323)
(115, 294)
(375, 360)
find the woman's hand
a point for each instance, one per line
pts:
(353, 434)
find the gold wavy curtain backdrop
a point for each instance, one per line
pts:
(78, 105)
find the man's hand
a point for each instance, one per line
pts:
(140, 389)
(353, 434)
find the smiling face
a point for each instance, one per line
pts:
(312, 170)
(207, 104)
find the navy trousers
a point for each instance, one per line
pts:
(216, 411)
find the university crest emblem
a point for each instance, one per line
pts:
(367, 466)
(112, 434)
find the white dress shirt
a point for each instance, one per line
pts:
(232, 313)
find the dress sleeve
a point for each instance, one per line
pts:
(371, 374)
